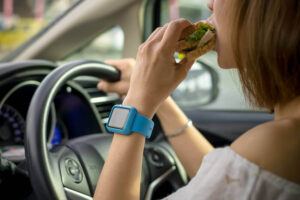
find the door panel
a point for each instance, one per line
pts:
(223, 127)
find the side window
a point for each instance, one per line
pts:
(108, 45)
(22, 19)
(207, 86)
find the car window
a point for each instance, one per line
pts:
(22, 19)
(107, 45)
(229, 95)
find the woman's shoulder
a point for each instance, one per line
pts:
(274, 146)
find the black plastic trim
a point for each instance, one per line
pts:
(151, 17)
(226, 125)
(12, 70)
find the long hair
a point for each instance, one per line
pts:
(266, 46)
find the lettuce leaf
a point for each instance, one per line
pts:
(197, 35)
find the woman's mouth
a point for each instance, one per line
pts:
(211, 22)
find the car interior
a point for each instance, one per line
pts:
(53, 140)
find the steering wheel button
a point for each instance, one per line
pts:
(155, 157)
(73, 170)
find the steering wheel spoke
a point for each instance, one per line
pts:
(162, 167)
(74, 195)
(69, 170)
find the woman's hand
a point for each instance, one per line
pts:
(121, 87)
(156, 73)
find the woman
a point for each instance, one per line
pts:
(261, 39)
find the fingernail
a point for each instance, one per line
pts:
(100, 85)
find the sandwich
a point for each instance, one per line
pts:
(196, 40)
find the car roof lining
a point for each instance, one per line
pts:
(60, 40)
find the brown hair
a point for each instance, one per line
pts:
(266, 46)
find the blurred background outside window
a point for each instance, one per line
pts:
(230, 95)
(21, 19)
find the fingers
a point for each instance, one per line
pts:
(184, 66)
(116, 63)
(107, 87)
(157, 30)
(156, 36)
(165, 38)
(188, 63)
(158, 33)
(112, 62)
(112, 87)
(173, 32)
(168, 35)
(124, 65)
(121, 87)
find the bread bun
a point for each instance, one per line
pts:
(193, 55)
(189, 30)
(195, 49)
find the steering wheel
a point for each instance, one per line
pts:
(71, 170)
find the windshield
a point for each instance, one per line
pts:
(21, 19)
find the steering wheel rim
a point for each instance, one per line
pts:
(40, 167)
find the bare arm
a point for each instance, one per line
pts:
(121, 175)
(172, 119)
(123, 165)
(190, 146)
(155, 76)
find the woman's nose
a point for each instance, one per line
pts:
(210, 5)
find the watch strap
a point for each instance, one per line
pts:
(142, 125)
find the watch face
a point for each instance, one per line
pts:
(118, 118)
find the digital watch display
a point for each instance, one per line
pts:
(125, 120)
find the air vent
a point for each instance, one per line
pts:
(104, 110)
(103, 101)
(90, 86)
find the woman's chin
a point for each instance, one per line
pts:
(225, 60)
(224, 63)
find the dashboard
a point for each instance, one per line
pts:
(78, 109)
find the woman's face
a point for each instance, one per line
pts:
(219, 19)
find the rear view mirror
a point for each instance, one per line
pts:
(199, 88)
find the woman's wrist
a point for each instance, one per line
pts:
(143, 107)
(166, 105)
(169, 108)
(171, 116)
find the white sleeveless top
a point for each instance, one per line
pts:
(224, 174)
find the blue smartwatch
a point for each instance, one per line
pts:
(126, 119)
